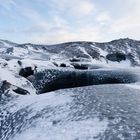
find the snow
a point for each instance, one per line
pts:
(58, 126)
(38, 102)
(122, 64)
(84, 113)
(16, 80)
(20, 52)
(128, 48)
(72, 130)
(110, 64)
(85, 52)
(134, 85)
(41, 64)
(101, 51)
(68, 114)
(5, 44)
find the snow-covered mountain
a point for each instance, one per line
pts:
(127, 48)
(72, 91)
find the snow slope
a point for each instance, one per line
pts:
(82, 50)
(87, 113)
(96, 112)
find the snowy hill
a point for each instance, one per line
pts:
(130, 49)
(70, 91)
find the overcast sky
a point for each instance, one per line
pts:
(55, 21)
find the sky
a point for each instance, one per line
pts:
(57, 21)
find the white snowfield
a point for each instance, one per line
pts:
(96, 112)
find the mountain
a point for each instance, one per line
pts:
(70, 91)
(127, 48)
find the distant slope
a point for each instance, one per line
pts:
(121, 49)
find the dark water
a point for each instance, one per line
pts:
(69, 79)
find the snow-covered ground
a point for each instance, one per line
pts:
(87, 113)
(96, 112)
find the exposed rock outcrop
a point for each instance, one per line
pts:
(7, 86)
(116, 57)
(25, 72)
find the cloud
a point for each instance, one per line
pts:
(7, 4)
(54, 21)
(76, 8)
(129, 23)
(104, 16)
(85, 34)
(83, 8)
(34, 16)
(55, 28)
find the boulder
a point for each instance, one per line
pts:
(80, 66)
(6, 86)
(25, 72)
(21, 91)
(63, 65)
(116, 57)
(19, 62)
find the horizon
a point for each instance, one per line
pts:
(55, 22)
(69, 41)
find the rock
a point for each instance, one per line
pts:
(21, 91)
(35, 69)
(132, 59)
(6, 86)
(55, 64)
(25, 72)
(79, 66)
(19, 62)
(5, 64)
(116, 57)
(63, 65)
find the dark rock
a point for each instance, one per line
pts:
(55, 64)
(131, 57)
(35, 70)
(80, 66)
(5, 64)
(55, 122)
(63, 65)
(10, 50)
(5, 85)
(25, 72)
(21, 91)
(7, 59)
(116, 57)
(93, 52)
(19, 62)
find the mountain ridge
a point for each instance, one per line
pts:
(127, 48)
(67, 42)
